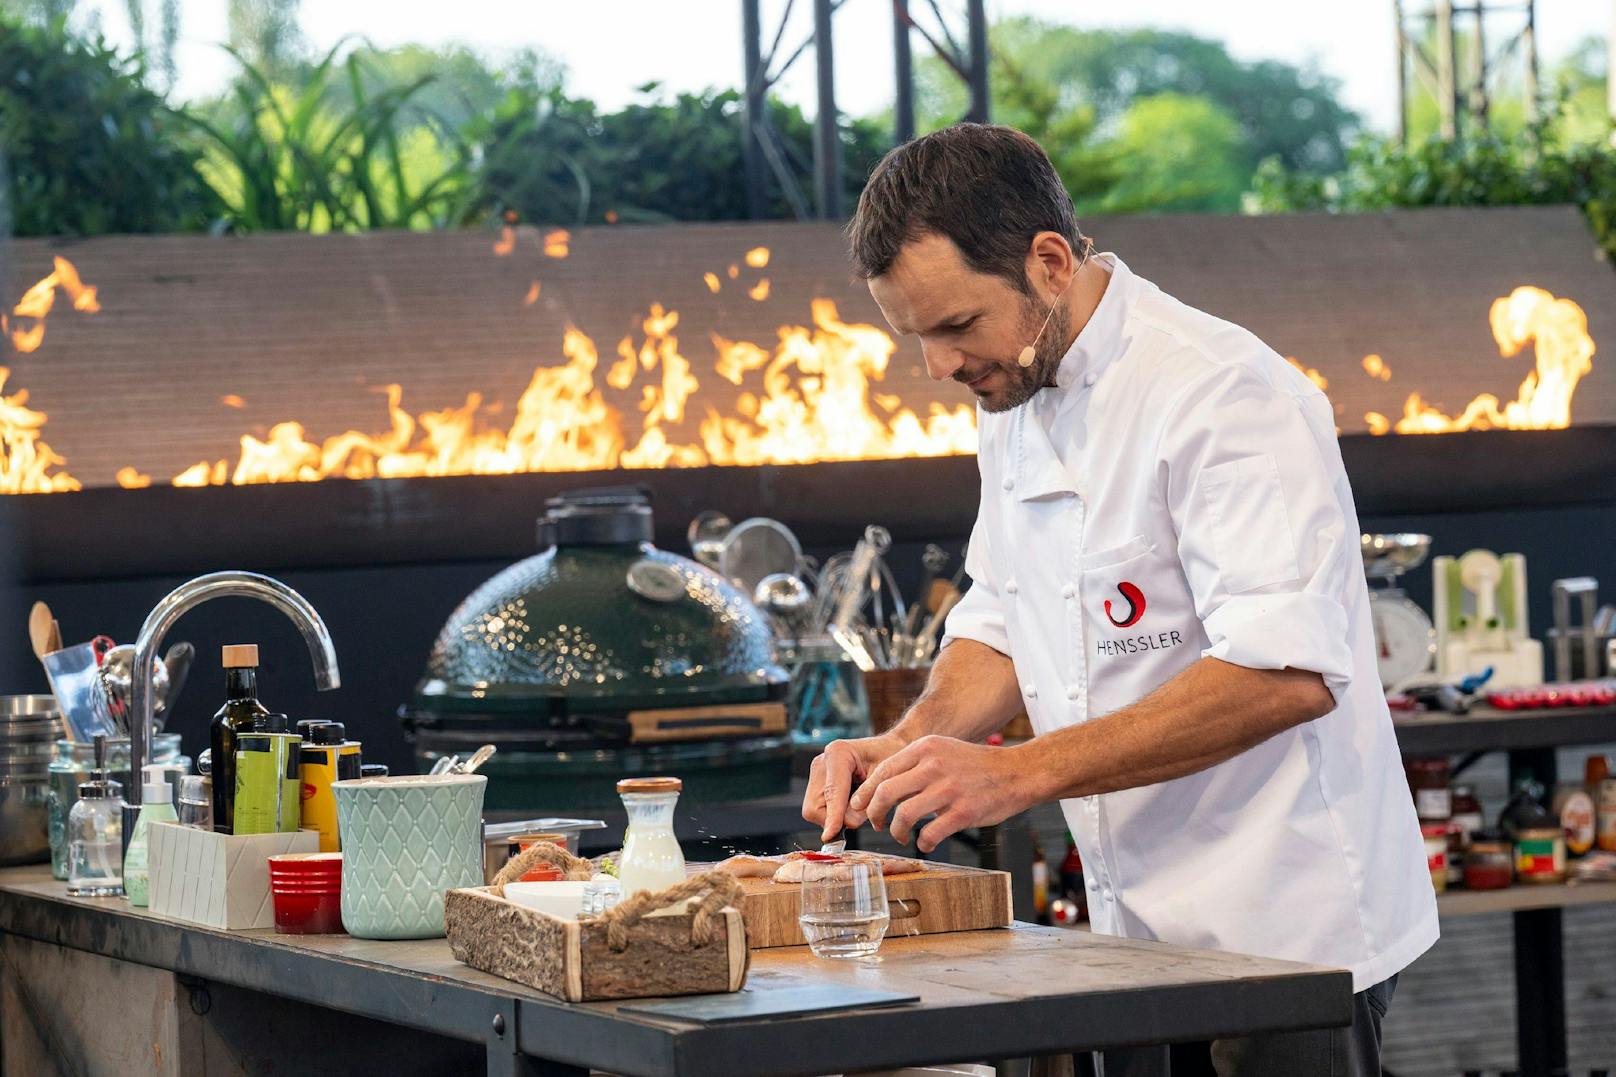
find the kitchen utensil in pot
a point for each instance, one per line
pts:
(756, 548)
(75, 680)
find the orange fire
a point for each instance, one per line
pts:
(1558, 329)
(26, 462)
(37, 302)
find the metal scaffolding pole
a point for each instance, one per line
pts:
(903, 64)
(827, 136)
(1402, 73)
(1446, 47)
(1447, 83)
(977, 31)
(752, 119)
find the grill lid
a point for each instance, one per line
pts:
(601, 620)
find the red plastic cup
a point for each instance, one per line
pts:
(307, 893)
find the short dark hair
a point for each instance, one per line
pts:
(988, 188)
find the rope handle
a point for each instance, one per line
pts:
(706, 926)
(541, 852)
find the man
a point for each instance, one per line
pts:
(1166, 578)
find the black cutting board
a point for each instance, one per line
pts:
(752, 1003)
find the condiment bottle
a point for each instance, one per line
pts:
(156, 806)
(1428, 780)
(1596, 774)
(1490, 861)
(326, 756)
(1576, 811)
(241, 713)
(289, 753)
(652, 859)
(1540, 852)
(1435, 836)
(95, 833)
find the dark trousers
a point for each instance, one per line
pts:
(1327, 1052)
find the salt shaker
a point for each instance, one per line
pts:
(95, 834)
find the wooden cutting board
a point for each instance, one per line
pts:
(944, 897)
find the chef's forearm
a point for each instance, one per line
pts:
(971, 693)
(1211, 712)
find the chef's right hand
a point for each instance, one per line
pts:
(839, 770)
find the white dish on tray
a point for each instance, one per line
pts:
(559, 897)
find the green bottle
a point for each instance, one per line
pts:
(241, 713)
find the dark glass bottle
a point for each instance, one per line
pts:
(241, 713)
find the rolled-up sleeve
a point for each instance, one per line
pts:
(1256, 495)
(980, 614)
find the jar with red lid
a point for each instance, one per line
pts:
(1436, 854)
(1428, 780)
(1489, 861)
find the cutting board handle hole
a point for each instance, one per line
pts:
(903, 908)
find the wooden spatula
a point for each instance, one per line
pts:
(39, 629)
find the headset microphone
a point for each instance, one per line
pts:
(1030, 352)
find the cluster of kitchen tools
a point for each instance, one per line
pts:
(852, 599)
(94, 682)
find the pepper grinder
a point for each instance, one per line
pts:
(95, 833)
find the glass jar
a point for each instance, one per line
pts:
(1436, 854)
(95, 840)
(652, 859)
(1428, 780)
(1489, 861)
(1540, 855)
(71, 767)
(826, 699)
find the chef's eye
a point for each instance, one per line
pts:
(960, 327)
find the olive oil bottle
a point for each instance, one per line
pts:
(241, 713)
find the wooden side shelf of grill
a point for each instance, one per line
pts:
(705, 723)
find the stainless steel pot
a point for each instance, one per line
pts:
(29, 727)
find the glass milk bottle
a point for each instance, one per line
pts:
(652, 859)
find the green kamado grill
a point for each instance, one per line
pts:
(600, 657)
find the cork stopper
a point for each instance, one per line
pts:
(240, 655)
(650, 785)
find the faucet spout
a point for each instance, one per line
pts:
(188, 596)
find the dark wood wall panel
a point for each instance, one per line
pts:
(307, 327)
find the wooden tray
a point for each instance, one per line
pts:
(944, 897)
(571, 960)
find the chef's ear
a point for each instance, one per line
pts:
(1051, 264)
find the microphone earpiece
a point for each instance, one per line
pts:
(1027, 354)
(1030, 352)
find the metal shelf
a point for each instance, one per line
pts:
(1486, 729)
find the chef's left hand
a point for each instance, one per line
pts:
(964, 784)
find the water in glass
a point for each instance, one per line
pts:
(844, 909)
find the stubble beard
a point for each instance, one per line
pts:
(1023, 382)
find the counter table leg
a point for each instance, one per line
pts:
(1540, 1013)
(505, 1057)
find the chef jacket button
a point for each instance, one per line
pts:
(1074, 693)
(1031, 691)
(1068, 592)
(1106, 894)
(1009, 483)
(1010, 587)
(1088, 379)
(1094, 884)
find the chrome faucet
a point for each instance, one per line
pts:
(170, 609)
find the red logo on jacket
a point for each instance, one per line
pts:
(1136, 606)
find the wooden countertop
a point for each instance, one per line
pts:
(983, 994)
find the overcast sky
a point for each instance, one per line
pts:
(611, 46)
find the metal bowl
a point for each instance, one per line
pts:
(1386, 556)
(24, 820)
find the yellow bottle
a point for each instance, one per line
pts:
(327, 756)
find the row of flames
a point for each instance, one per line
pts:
(816, 401)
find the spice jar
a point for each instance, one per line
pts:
(1489, 861)
(1436, 854)
(1428, 780)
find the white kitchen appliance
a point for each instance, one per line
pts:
(1481, 620)
(1405, 642)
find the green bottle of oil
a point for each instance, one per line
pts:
(241, 713)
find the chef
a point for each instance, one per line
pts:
(1165, 576)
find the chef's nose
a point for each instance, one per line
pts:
(942, 361)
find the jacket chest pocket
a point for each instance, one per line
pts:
(1139, 623)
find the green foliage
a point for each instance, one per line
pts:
(551, 158)
(90, 148)
(294, 157)
(1277, 109)
(1176, 154)
(1537, 166)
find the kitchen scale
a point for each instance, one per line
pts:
(1405, 638)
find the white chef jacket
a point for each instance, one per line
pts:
(1179, 493)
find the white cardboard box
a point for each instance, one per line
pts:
(217, 880)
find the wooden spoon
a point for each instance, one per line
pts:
(39, 629)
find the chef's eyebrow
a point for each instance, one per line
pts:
(949, 322)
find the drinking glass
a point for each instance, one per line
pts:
(844, 909)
